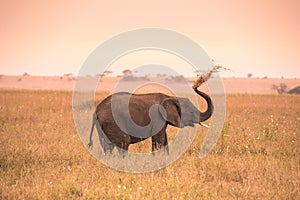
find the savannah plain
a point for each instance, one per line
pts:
(257, 155)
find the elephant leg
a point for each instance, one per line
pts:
(154, 146)
(160, 140)
(106, 144)
(124, 145)
(108, 148)
(166, 145)
(123, 151)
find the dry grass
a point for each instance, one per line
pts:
(257, 155)
(202, 78)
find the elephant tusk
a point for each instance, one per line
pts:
(205, 125)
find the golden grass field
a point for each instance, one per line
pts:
(257, 155)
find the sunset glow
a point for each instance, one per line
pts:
(258, 37)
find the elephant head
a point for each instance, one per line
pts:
(180, 112)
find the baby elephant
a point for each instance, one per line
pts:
(123, 118)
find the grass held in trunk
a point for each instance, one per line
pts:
(204, 77)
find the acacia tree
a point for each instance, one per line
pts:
(107, 72)
(127, 72)
(281, 89)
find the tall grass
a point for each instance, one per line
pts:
(257, 155)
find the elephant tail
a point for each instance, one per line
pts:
(90, 144)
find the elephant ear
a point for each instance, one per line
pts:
(170, 111)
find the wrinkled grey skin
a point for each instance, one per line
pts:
(178, 112)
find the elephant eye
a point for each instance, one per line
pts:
(192, 113)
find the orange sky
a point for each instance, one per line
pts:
(259, 37)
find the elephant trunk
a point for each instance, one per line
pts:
(210, 107)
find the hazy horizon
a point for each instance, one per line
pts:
(140, 75)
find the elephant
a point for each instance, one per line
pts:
(148, 115)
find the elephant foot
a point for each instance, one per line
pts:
(122, 152)
(159, 152)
